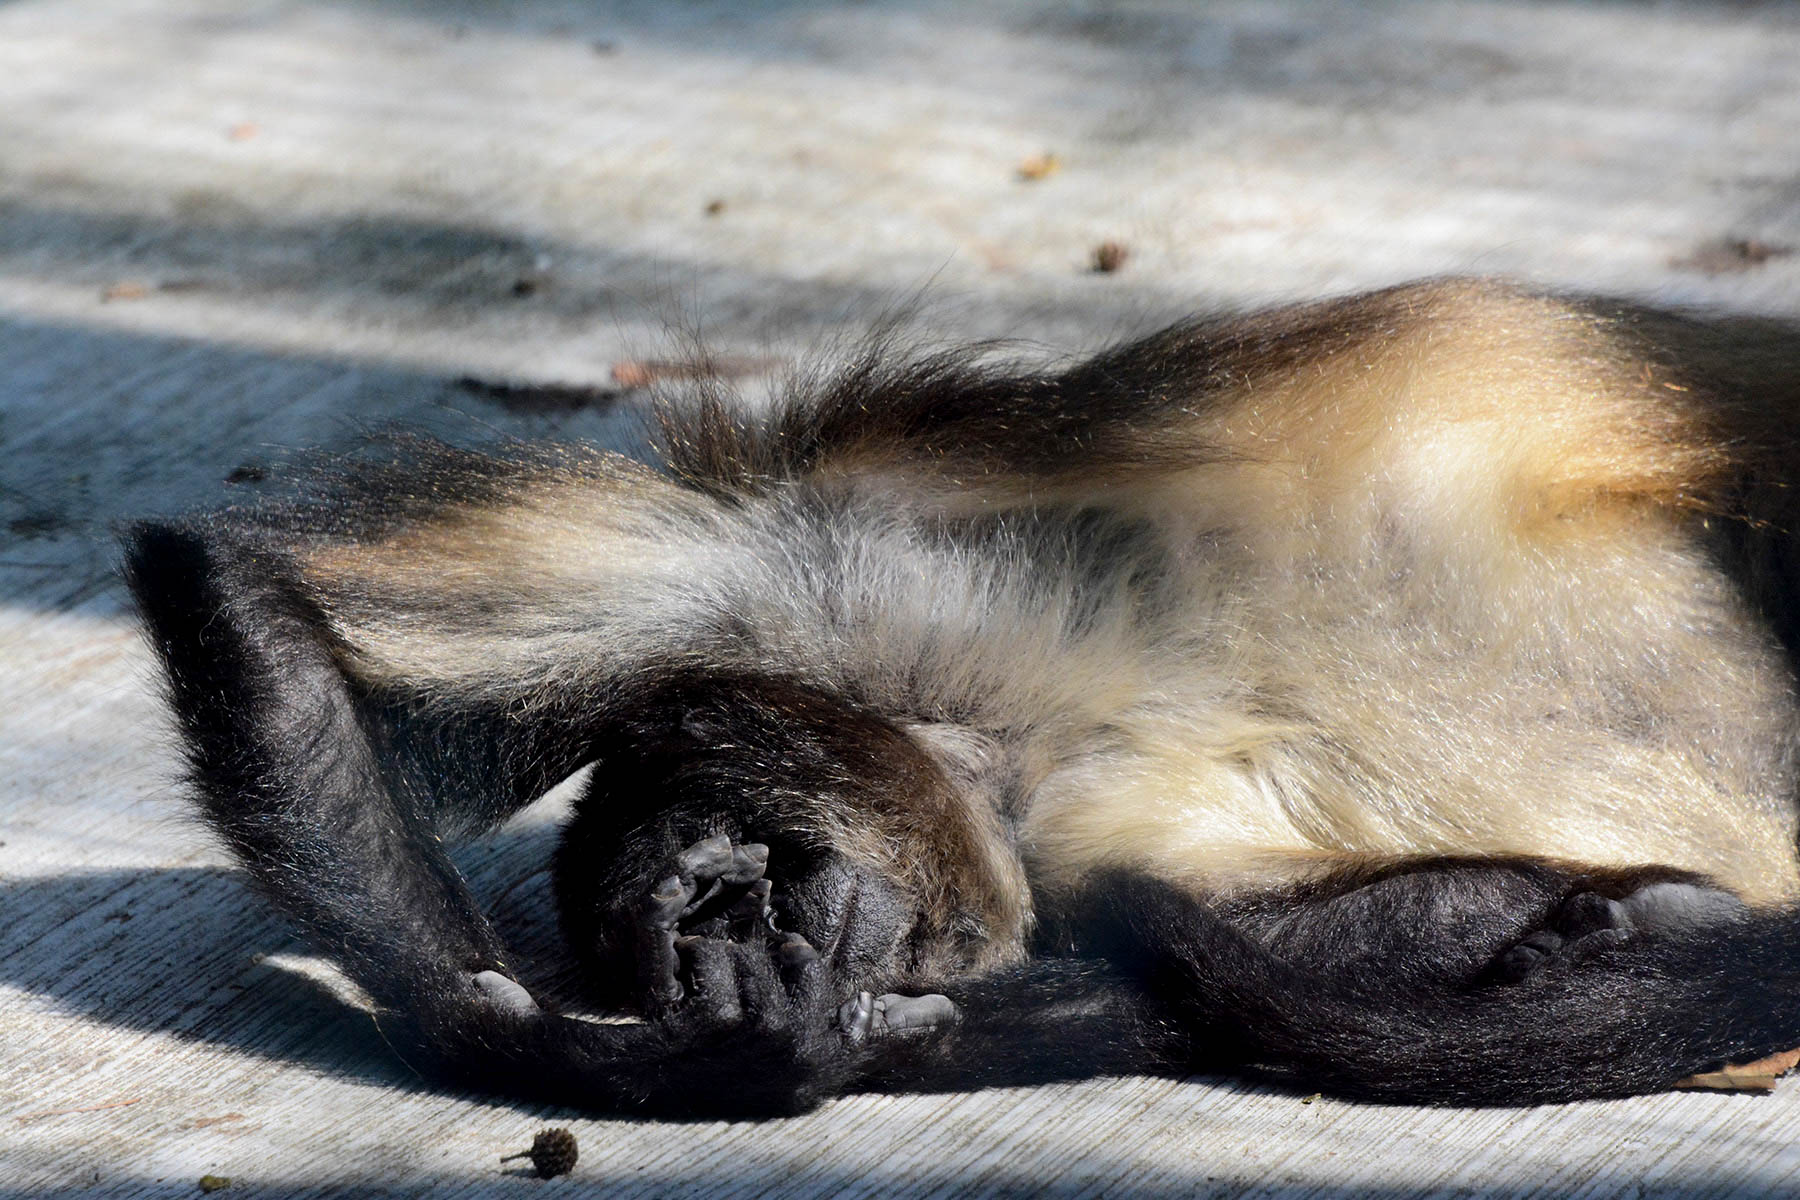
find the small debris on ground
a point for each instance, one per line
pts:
(1039, 166)
(714, 207)
(28, 1118)
(126, 289)
(641, 373)
(35, 525)
(539, 397)
(553, 1152)
(1728, 256)
(1758, 1076)
(243, 131)
(1108, 257)
(214, 1183)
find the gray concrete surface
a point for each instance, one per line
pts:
(231, 230)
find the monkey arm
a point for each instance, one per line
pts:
(287, 773)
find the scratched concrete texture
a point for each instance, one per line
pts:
(231, 230)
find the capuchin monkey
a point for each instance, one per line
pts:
(1392, 695)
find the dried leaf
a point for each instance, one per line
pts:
(1758, 1076)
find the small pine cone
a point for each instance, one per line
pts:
(553, 1153)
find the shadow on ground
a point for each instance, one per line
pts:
(188, 951)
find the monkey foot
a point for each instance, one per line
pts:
(1589, 921)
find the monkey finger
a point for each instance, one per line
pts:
(666, 902)
(805, 974)
(711, 968)
(748, 862)
(749, 913)
(762, 993)
(701, 868)
(709, 857)
(659, 969)
(504, 994)
(856, 1018)
(717, 869)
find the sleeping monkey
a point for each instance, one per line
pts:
(1392, 694)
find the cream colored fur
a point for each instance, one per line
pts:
(1437, 589)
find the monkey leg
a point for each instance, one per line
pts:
(1450, 921)
(287, 777)
(1434, 981)
(1587, 922)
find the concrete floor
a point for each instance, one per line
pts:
(232, 230)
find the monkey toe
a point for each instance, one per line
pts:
(917, 1014)
(1587, 913)
(1527, 956)
(865, 1017)
(856, 1017)
(1589, 922)
(1673, 905)
(504, 994)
